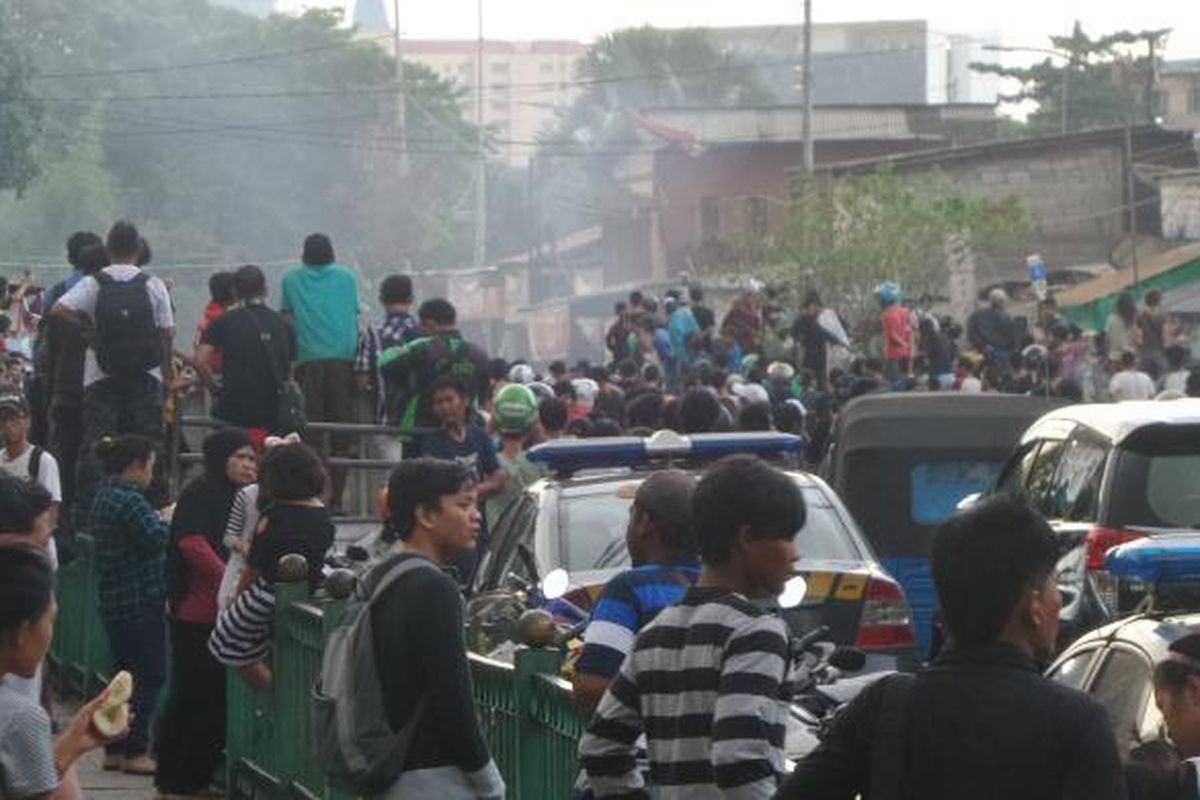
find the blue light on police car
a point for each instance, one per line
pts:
(1154, 559)
(630, 451)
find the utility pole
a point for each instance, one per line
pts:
(402, 101)
(1130, 189)
(480, 162)
(806, 76)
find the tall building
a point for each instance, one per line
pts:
(886, 62)
(524, 83)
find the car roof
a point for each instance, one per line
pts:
(1152, 632)
(583, 482)
(937, 420)
(1116, 421)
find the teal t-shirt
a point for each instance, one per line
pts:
(323, 302)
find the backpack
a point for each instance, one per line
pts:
(35, 463)
(127, 341)
(355, 745)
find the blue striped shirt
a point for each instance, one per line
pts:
(627, 604)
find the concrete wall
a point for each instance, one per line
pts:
(1179, 94)
(1180, 206)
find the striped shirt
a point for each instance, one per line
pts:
(627, 604)
(709, 683)
(242, 635)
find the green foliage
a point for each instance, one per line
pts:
(1108, 80)
(867, 229)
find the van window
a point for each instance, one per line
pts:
(937, 487)
(1041, 476)
(1123, 687)
(1173, 489)
(1156, 480)
(1075, 489)
(1014, 480)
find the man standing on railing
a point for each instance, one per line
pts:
(420, 651)
(257, 347)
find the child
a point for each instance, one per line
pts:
(295, 520)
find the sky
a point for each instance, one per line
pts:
(1018, 22)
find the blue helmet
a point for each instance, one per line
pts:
(888, 293)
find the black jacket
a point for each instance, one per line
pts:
(982, 724)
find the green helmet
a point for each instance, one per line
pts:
(514, 409)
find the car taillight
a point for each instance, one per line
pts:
(886, 618)
(1100, 540)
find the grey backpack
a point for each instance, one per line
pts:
(355, 745)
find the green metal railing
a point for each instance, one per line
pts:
(528, 718)
(80, 653)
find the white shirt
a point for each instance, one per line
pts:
(1131, 384)
(47, 475)
(82, 298)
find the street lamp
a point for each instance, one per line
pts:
(1070, 59)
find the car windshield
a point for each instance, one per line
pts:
(592, 531)
(1158, 482)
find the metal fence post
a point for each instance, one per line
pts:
(529, 663)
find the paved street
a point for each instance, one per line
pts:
(101, 785)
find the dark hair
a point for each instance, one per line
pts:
(1126, 307)
(21, 502)
(292, 472)
(117, 453)
(553, 414)
(1192, 386)
(699, 410)
(743, 491)
(697, 294)
(1128, 359)
(619, 308)
(1177, 356)
(636, 298)
(222, 288)
(124, 242)
(1153, 297)
(249, 282)
(26, 587)
(422, 483)
(651, 373)
(448, 382)
(754, 417)
(144, 255)
(78, 241)
(557, 368)
(437, 310)
(789, 418)
(813, 298)
(498, 368)
(984, 559)
(396, 289)
(92, 259)
(603, 427)
(318, 250)
(1172, 674)
(645, 410)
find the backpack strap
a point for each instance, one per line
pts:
(890, 736)
(387, 572)
(35, 463)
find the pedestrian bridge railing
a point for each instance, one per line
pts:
(529, 720)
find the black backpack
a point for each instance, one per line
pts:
(127, 340)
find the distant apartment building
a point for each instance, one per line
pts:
(1177, 94)
(524, 83)
(887, 62)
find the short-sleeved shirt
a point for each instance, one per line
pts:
(47, 476)
(245, 336)
(476, 451)
(897, 332)
(82, 298)
(627, 604)
(26, 747)
(323, 302)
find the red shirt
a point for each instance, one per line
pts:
(897, 332)
(211, 312)
(204, 572)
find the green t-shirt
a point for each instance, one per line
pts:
(323, 302)
(521, 474)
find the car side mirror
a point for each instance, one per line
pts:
(555, 584)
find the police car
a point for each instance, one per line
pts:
(575, 520)
(1115, 663)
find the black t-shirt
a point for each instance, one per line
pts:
(305, 530)
(704, 316)
(249, 396)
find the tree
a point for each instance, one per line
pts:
(1108, 80)
(877, 227)
(19, 113)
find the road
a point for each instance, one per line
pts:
(98, 784)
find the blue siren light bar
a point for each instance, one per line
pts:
(631, 451)
(1167, 557)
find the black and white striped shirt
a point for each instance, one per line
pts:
(709, 682)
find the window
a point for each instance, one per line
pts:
(1123, 687)
(1014, 480)
(1194, 100)
(937, 487)
(1160, 104)
(1075, 490)
(1042, 474)
(1074, 670)
(710, 219)
(756, 217)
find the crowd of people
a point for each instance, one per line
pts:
(676, 662)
